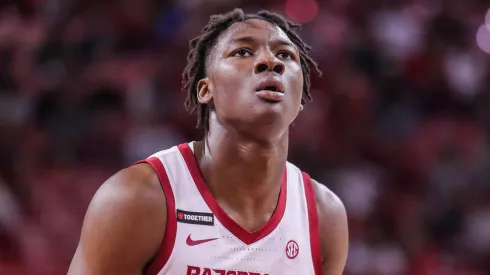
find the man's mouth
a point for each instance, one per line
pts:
(270, 90)
(270, 95)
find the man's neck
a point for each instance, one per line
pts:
(243, 175)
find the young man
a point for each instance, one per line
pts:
(231, 203)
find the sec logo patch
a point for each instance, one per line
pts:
(292, 249)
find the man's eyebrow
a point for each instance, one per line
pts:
(251, 39)
(285, 43)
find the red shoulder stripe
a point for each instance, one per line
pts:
(168, 241)
(313, 222)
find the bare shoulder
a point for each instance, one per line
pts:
(137, 185)
(124, 224)
(132, 193)
(333, 228)
(327, 202)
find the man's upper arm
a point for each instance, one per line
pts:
(334, 235)
(124, 225)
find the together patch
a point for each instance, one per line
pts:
(195, 217)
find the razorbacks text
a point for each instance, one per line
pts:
(194, 270)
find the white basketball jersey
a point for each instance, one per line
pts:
(201, 239)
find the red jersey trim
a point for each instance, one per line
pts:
(245, 236)
(168, 241)
(313, 222)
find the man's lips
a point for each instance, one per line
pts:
(271, 96)
(270, 89)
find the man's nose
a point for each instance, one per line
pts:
(268, 62)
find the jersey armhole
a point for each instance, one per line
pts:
(168, 241)
(313, 224)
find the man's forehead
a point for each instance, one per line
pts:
(256, 28)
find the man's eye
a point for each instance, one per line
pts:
(242, 53)
(285, 55)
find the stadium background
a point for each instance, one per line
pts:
(399, 126)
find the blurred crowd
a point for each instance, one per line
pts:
(399, 127)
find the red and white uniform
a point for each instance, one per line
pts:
(201, 239)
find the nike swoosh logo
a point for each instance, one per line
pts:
(191, 242)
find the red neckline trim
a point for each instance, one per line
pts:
(245, 236)
(313, 224)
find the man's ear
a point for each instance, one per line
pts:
(204, 92)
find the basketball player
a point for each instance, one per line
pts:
(230, 204)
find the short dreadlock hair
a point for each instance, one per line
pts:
(200, 46)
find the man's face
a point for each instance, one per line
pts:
(254, 77)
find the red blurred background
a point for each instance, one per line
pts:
(399, 126)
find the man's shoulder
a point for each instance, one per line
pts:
(175, 149)
(122, 229)
(332, 223)
(326, 200)
(137, 185)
